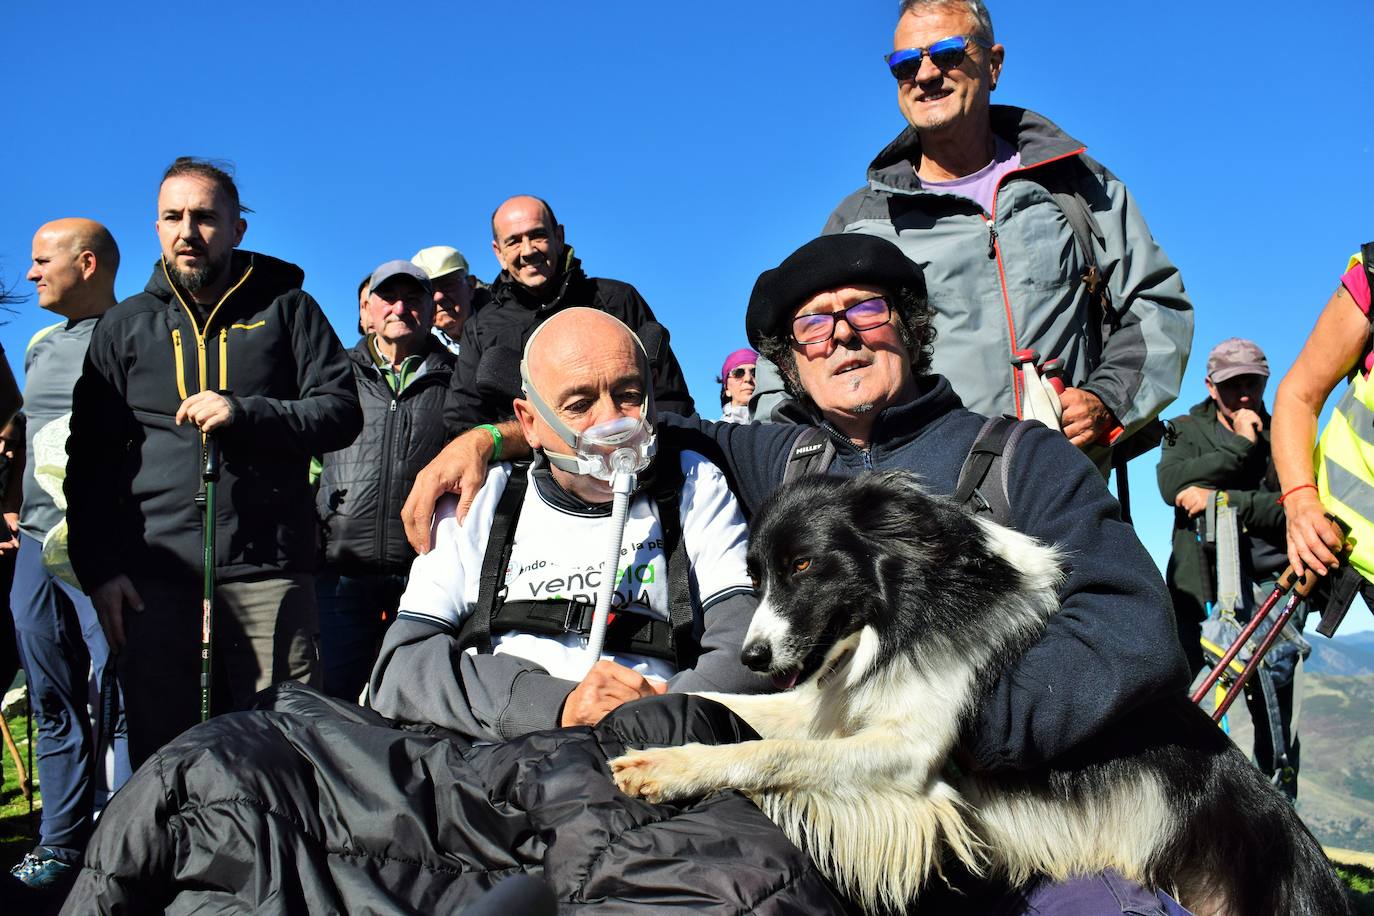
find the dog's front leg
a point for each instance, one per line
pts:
(773, 715)
(834, 765)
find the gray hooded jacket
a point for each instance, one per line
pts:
(1011, 279)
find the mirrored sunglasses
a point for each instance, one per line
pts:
(820, 327)
(740, 372)
(946, 54)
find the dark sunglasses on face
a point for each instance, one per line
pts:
(740, 372)
(820, 327)
(945, 54)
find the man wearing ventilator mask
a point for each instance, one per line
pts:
(492, 638)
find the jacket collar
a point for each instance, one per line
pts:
(900, 424)
(1038, 139)
(508, 292)
(256, 276)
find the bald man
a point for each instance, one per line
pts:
(496, 662)
(540, 277)
(74, 266)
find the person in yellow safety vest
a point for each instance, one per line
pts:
(1338, 347)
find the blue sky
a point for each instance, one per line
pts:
(685, 147)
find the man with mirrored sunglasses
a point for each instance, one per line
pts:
(985, 199)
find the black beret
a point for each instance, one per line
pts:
(829, 262)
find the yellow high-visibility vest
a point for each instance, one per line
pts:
(1344, 460)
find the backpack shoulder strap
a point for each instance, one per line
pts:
(476, 630)
(812, 453)
(983, 481)
(1060, 180)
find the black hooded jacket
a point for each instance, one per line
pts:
(512, 315)
(133, 473)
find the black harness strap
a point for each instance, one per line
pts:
(626, 631)
(476, 629)
(677, 640)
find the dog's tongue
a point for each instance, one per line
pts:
(787, 680)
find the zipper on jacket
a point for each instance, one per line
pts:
(180, 358)
(223, 359)
(200, 333)
(995, 252)
(384, 485)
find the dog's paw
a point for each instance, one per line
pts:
(660, 775)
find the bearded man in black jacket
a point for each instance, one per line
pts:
(221, 343)
(539, 277)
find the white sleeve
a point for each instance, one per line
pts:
(714, 531)
(443, 583)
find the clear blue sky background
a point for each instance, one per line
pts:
(686, 147)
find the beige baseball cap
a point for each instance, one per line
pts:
(440, 260)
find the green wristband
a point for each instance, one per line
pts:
(495, 439)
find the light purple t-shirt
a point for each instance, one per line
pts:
(982, 184)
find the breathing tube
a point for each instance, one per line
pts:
(615, 451)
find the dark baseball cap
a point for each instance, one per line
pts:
(829, 262)
(1236, 356)
(399, 268)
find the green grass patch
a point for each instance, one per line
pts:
(18, 833)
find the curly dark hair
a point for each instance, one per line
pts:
(914, 321)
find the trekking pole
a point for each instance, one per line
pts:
(1300, 591)
(25, 784)
(1281, 587)
(209, 477)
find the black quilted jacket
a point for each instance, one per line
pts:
(321, 807)
(363, 487)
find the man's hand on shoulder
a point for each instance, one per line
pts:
(461, 468)
(110, 600)
(1086, 419)
(606, 687)
(207, 411)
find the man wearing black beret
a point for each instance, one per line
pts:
(846, 319)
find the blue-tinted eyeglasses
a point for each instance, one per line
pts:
(945, 54)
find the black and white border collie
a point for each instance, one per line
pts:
(885, 615)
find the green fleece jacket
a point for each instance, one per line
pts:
(1199, 451)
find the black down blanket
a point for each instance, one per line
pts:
(314, 806)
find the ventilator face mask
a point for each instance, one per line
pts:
(624, 446)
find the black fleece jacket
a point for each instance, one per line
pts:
(512, 315)
(133, 474)
(1111, 648)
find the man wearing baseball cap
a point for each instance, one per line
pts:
(403, 375)
(846, 320)
(1216, 465)
(453, 285)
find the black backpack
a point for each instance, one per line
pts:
(982, 486)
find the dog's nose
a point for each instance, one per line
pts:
(757, 655)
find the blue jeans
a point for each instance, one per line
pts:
(62, 645)
(354, 614)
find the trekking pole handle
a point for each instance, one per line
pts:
(1289, 580)
(210, 454)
